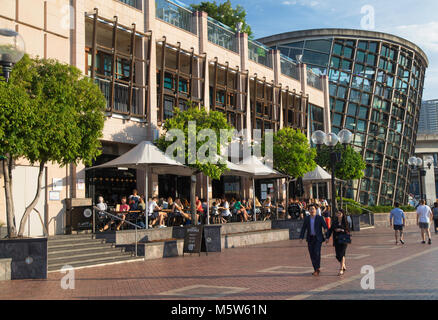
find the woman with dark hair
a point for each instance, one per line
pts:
(341, 231)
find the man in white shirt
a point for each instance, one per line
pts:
(225, 210)
(424, 216)
(154, 213)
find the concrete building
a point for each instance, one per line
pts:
(148, 56)
(428, 123)
(376, 85)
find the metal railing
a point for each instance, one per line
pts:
(314, 80)
(120, 219)
(221, 35)
(370, 214)
(175, 14)
(289, 68)
(259, 53)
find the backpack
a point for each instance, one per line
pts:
(435, 213)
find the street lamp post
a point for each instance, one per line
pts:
(417, 163)
(331, 140)
(11, 50)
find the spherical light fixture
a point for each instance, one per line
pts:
(12, 49)
(331, 139)
(318, 137)
(345, 136)
(419, 162)
(412, 161)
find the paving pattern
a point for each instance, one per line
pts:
(278, 270)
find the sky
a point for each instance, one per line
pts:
(416, 21)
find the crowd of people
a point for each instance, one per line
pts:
(171, 212)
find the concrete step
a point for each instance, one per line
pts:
(81, 251)
(87, 257)
(74, 243)
(94, 262)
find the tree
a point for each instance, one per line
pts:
(351, 166)
(205, 144)
(293, 155)
(64, 118)
(225, 13)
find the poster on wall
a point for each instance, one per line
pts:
(54, 195)
(264, 195)
(81, 184)
(57, 184)
(263, 187)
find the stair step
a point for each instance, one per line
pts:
(81, 251)
(86, 256)
(76, 244)
(95, 262)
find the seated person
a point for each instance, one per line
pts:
(215, 213)
(199, 209)
(267, 207)
(133, 200)
(281, 210)
(178, 210)
(248, 207)
(240, 210)
(101, 207)
(124, 207)
(139, 216)
(225, 210)
(155, 213)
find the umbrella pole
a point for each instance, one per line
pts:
(147, 199)
(208, 203)
(254, 199)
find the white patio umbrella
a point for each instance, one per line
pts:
(147, 156)
(318, 175)
(254, 168)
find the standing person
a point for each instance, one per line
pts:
(424, 215)
(327, 213)
(314, 224)
(134, 200)
(435, 216)
(339, 227)
(199, 210)
(225, 210)
(398, 216)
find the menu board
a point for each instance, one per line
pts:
(193, 239)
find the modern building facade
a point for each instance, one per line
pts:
(147, 57)
(428, 123)
(376, 84)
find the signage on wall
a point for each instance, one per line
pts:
(81, 184)
(54, 195)
(57, 184)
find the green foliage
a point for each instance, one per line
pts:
(58, 116)
(350, 167)
(292, 153)
(225, 13)
(213, 120)
(387, 209)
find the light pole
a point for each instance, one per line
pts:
(417, 163)
(331, 140)
(11, 50)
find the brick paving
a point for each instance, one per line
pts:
(277, 270)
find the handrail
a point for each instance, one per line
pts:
(357, 206)
(118, 218)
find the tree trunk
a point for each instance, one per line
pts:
(192, 199)
(10, 214)
(29, 209)
(286, 209)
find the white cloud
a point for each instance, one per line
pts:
(303, 3)
(423, 35)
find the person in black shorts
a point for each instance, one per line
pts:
(398, 219)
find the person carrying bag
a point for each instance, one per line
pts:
(341, 238)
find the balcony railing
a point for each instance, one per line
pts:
(259, 53)
(121, 97)
(175, 14)
(314, 80)
(289, 68)
(221, 35)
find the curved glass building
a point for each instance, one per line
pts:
(376, 84)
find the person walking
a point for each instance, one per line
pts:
(397, 218)
(341, 232)
(435, 216)
(424, 216)
(313, 225)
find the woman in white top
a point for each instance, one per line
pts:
(267, 205)
(225, 210)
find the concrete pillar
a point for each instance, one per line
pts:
(325, 89)
(149, 16)
(202, 28)
(244, 56)
(429, 185)
(77, 36)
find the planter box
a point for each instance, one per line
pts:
(355, 222)
(29, 257)
(5, 269)
(294, 227)
(3, 232)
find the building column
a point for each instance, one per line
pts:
(201, 21)
(429, 185)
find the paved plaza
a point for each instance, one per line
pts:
(274, 271)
